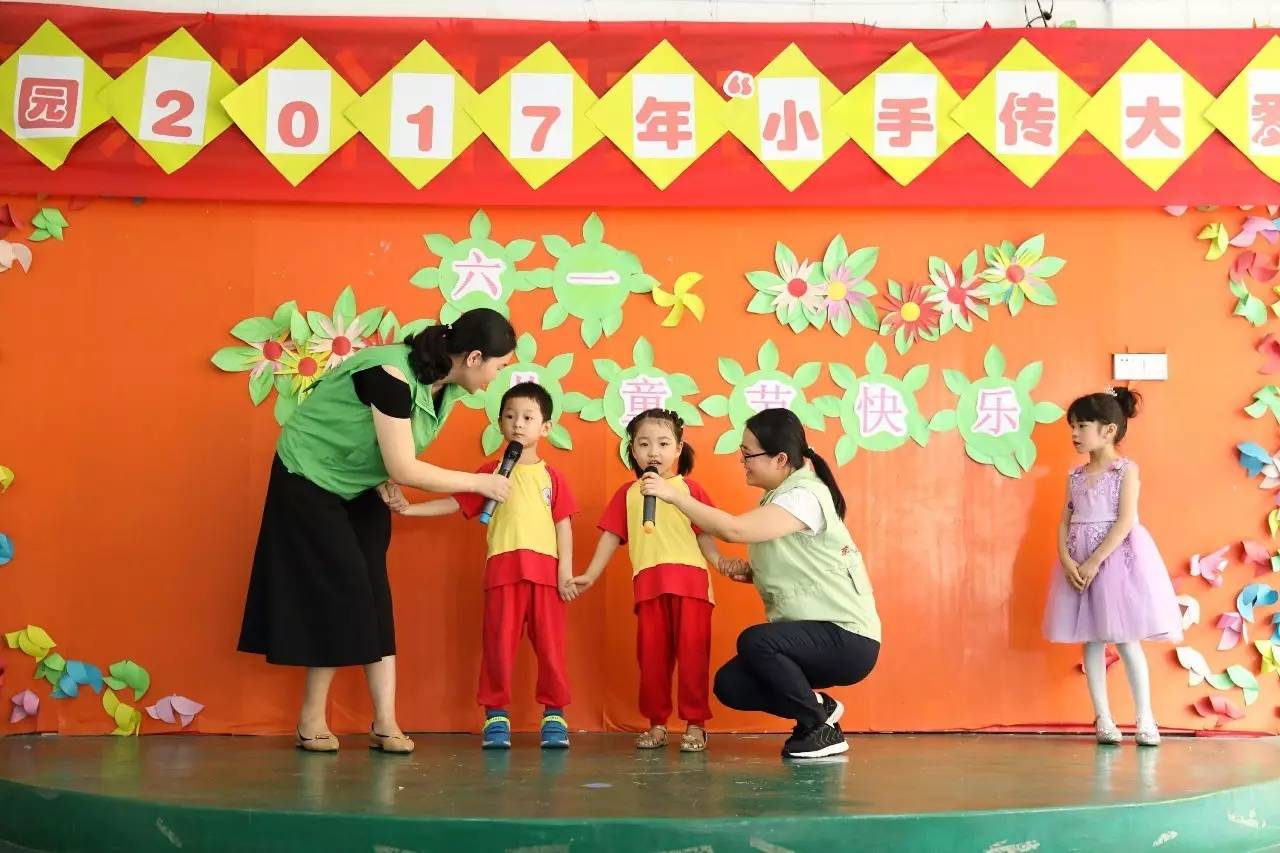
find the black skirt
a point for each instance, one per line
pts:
(318, 594)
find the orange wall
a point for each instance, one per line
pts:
(141, 468)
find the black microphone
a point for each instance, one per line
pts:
(650, 505)
(510, 457)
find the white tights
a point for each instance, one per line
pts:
(1135, 667)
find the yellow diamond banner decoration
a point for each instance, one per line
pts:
(901, 114)
(49, 90)
(787, 119)
(536, 115)
(1248, 111)
(417, 115)
(1025, 112)
(1150, 115)
(170, 101)
(293, 110)
(662, 114)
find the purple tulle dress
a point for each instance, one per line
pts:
(1132, 597)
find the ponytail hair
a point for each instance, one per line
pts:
(482, 330)
(684, 466)
(1115, 406)
(780, 431)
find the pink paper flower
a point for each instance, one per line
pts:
(173, 708)
(25, 704)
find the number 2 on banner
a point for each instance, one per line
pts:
(299, 111)
(175, 100)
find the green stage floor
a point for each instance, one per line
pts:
(987, 793)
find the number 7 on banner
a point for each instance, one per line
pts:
(293, 111)
(416, 115)
(536, 115)
(170, 100)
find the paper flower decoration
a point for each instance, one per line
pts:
(1269, 349)
(6, 479)
(795, 294)
(1253, 457)
(683, 298)
(14, 253)
(848, 294)
(128, 719)
(49, 222)
(25, 704)
(1019, 275)
(1275, 631)
(337, 337)
(476, 272)
(957, 297)
(1253, 226)
(174, 708)
(1190, 611)
(1255, 595)
(910, 316)
(1218, 240)
(1237, 676)
(1219, 708)
(1259, 555)
(1211, 566)
(75, 674)
(1234, 631)
(126, 673)
(1194, 663)
(8, 220)
(32, 640)
(1270, 656)
(1256, 266)
(6, 549)
(1248, 306)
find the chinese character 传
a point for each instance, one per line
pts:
(1030, 116)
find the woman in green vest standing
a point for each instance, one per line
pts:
(823, 629)
(318, 594)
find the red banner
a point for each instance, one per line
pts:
(109, 162)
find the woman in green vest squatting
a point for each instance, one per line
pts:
(318, 595)
(823, 629)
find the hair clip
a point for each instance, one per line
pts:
(1110, 389)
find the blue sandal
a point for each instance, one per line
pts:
(496, 731)
(555, 730)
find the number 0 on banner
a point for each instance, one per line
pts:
(292, 110)
(169, 101)
(417, 115)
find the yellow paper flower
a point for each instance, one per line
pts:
(6, 478)
(1218, 239)
(680, 300)
(1270, 656)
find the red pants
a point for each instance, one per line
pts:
(673, 629)
(508, 610)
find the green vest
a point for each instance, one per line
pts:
(819, 577)
(330, 439)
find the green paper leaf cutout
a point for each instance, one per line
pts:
(865, 314)
(518, 250)
(810, 417)
(1029, 376)
(1017, 299)
(593, 411)
(682, 384)
(916, 377)
(53, 216)
(540, 277)
(1047, 413)
(761, 303)
(38, 235)
(480, 226)
(828, 405)
(862, 261)
(1034, 246)
(490, 439)
(834, 257)
(413, 327)
(610, 323)
(254, 330)
(846, 449)
(449, 313)
(575, 401)
(717, 405)
(957, 383)
(235, 359)
(763, 281)
(943, 421)
(607, 369)
(299, 329)
(369, 321)
(560, 437)
(842, 323)
(1048, 266)
(556, 315)
(1024, 453)
(767, 358)
(642, 352)
(439, 244)
(900, 342)
(260, 386)
(843, 375)
(526, 347)
(593, 229)
(994, 362)
(808, 373)
(427, 278)
(783, 257)
(729, 441)
(559, 367)
(344, 310)
(286, 405)
(556, 246)
(1007, 466)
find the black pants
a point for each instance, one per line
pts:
(780, 664)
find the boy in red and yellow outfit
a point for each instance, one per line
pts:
(530, 554)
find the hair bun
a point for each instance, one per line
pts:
(1128, 400)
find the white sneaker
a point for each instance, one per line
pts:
(1107, 732)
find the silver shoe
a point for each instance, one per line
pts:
(1107, 732)
(1148, 736)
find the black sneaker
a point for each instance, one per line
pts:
(816, 743)
(833, 708)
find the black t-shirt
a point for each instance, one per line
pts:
(389, 395)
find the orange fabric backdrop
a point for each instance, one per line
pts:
(141, 468)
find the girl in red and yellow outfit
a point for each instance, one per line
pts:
(672, 584)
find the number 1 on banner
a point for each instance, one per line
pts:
(298, 111)
(175, 100)
(422, 110)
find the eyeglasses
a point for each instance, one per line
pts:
(749, 456)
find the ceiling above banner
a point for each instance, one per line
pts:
(538, 113)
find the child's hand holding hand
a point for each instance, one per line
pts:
(1072, 570)
(735, 569)
(577, 586)
(1088, 571)
(393, 497)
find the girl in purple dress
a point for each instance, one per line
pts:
(1111, 586)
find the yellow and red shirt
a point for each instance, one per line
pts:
(668, 560)
(522, 532)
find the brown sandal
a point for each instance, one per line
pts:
(320, 743)
(655, 738)
(390, 743)
(694, 739)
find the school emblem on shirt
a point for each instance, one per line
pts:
(546, 496)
